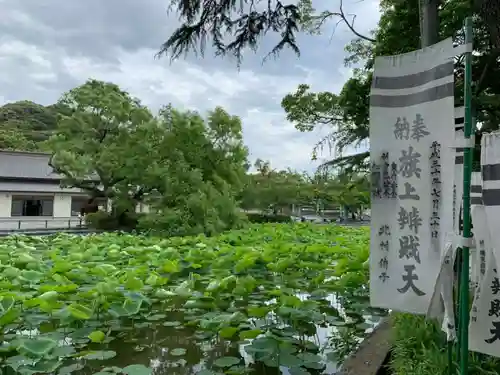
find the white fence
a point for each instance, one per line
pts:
(40, 223)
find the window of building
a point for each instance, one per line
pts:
(32, 206)
(77, 205)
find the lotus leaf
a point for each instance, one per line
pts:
(37, 347)
(105, 297)
(178, 352)
(137, 370)
(226, 361)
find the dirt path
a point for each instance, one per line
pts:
(372, 352)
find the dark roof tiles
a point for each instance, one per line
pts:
(26, 165)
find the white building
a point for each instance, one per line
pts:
(31, 196)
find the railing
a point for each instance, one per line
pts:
(40, 223)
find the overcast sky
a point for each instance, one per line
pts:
(48, 47)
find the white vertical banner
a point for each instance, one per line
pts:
(484, 327)
(482, 240)
(490, 172)
(412, 163)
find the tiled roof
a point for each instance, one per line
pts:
(21, 164)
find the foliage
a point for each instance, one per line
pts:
(14, 139)
(232, 27)
(73, 301)
(265, 218)
(188, 169)
(243, 22)
(96, 147)
(346, 114)
(279, 191)
(269, 189)
(398, 32)
(28, 122)
(205, 163)
(420, 348)
(107, 221)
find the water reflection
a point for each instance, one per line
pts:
(173, 348)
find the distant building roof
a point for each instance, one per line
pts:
(26, 165)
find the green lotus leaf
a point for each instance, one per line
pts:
(37, 347)
(97, 336)
(71, 368)
(100, 355)
(137, 370)
(178, 352)
(80, 311)
(226, 361)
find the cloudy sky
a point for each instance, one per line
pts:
(50, 46)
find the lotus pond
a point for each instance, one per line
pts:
(268, 299)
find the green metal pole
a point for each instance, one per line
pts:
(458, 311)
(464, 283)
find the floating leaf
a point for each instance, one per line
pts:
(71, 368)
(155, 317)
(100, 355)
(37, 347)
(298, 371)
(172, 324)
(312, 361)
(63, 351)
(46, 366)
(226, 361)
(137, 370)
(178, 352)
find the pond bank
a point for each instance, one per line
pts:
(372, 352)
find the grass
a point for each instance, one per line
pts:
(420, 349)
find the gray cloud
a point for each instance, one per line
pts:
(49, 47)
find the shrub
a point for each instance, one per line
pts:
(420, 348)
(109, 221)
(266, 218)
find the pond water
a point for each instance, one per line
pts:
(166, 343)
(287, 299)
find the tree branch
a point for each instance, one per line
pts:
(343, 18)
(74, 182)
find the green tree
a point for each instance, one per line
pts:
(13, 139)
(34, 122)
(270, 189)
(345, 114)
(232, 27)
(101, 146)
(188, 169)
(204, 165)
(397, 32)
